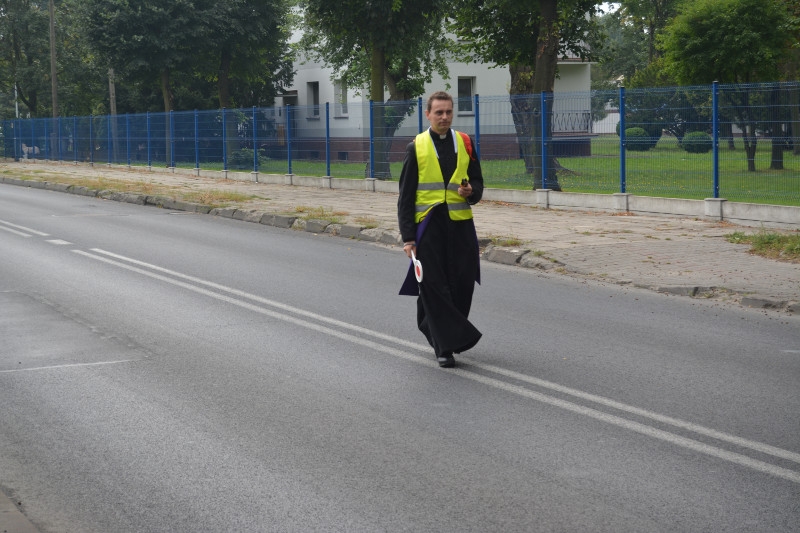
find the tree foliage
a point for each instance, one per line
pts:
(648, 18)
(397, 44)
(732, 42)
(145, 40)
(394, 44)
(529, 37)
(729, 41)
(238, 47)
(25, 54)
(247, 50)
(622, 50)
(518, 34)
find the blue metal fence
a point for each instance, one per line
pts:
(741, 142)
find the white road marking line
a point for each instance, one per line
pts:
(682, 424)
(265, 301)
(15, 232)
(643, 429)
(58, 242)
(72, 365)
(637, 427)
(23, 228)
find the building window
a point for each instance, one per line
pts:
(340, 98)
(466, 92)
(313, 98)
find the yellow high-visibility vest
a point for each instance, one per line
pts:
(431, 190)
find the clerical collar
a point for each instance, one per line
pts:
(443, 137)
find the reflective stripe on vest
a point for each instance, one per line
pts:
(430, 189)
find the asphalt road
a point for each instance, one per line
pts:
(165, 371)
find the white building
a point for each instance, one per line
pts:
(320, 104)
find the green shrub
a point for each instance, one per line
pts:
(243, 159)
(697, 142)
(654, 132)
(638, 140)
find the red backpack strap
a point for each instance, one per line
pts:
(467, 144)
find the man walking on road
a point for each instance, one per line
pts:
(440, 179)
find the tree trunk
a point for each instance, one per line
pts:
(224, 88)
(112, 105)
(396, 109)
(544, 77)
(777, 134)
(748, 132)
(739, 100)
(726, 133)
(544, 72)
(750, 142)
(166, 93)
(778, 145)
(792, 72)
(522, 111)
(794, 127)
(53, 71)
(377, 66)
(53, 77)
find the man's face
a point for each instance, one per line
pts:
(440, 116)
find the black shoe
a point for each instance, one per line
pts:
(446, 360)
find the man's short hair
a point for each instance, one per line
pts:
(438, 95)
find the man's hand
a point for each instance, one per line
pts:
(465, 190)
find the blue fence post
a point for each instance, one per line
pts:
(715, 134)
(543, 118)
(108, 138)
(255, 141)
(196, 142)
(327, 139)
(75, 138)
(52, 132)
(60, 154)
(128, 136)
(289, 137)
(33, 137)
(171, 139)
(224, 140)
(149, 160)
(17, 138)
(46, 151)
(91, 140)
(477, 127)
(371, 139)
(419, 113)
(622, 141)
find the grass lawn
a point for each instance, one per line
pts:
(664, 171)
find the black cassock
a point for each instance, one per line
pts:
(448, 251)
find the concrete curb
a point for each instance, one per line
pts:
(522, 257)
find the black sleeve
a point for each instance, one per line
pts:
(407, 200)
(475, 177)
